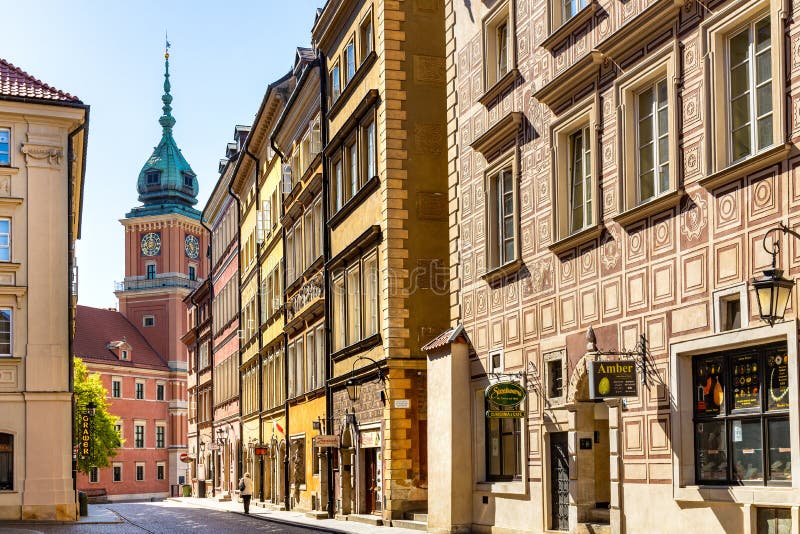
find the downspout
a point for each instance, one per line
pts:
(258, 315)
(210, 345)
(71, 266)
(238, 292)
(285, 340)
(197, 374)
(326, 247)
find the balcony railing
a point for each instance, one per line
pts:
(157, 282)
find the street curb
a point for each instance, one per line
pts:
(268, 519)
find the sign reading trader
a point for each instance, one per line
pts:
(507, 396)
(613, 379)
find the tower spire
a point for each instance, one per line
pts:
(167, 121)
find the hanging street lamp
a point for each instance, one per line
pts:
(773, 291)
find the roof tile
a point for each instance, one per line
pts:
(18, 83)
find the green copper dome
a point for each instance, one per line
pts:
(167, 184)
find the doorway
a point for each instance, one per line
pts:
(559, 481)
(371, 480)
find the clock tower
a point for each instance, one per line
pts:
(165, 259)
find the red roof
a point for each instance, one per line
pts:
(96, 328)
(18, 83)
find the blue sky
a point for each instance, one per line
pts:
(110, 54)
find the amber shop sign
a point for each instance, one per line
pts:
(613, 379)
(505, 394)
(86, 435)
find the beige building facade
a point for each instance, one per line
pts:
(613, 170)
(43, 135)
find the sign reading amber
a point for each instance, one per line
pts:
(613, 379)
(505, 394)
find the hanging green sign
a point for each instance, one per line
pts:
(505, 394)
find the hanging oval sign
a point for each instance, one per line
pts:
(505, 394)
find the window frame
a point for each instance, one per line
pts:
(516, 433)
(10, 352)
(116, 392)
(5, 162)
(8, 235)
(366, 41)
(94, 475)
(139, 390)
(503, 12)
(715, 33)
(583, 114)
(349, 60)
(161, 392)
(116, 467)
(151, 270)
(140, 472)
(662, 64)
(507, 162)
(344, 334)
(161, 471)
(163, 428)
(335, 81)
(148, 318)
(137, 426)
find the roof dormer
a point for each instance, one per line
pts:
(121, 349)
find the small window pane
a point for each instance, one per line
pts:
(712, 457)
(777, 381)
(780, 452)
(5, 331)
(747, 450)
(746, 382)
(5, 141)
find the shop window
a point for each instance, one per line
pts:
(93, 474)
(298, 460)
(741, 404)
(503, 446)
(6, 462)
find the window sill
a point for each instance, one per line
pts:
(355, 116)
(499, 273)
(11, 201)
(516, 487)
(8, 358)
(359, 346)
(762, 495)
(496, 136)
(562, 32)
(369, 238)
(563, 84)
(755, 162)
(578, 238)
(499, 86)
(366, 190)
(344, 96)
(8, 170)
(650, 207)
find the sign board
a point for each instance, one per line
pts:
(212, 446)
(260, 451)
(402, 403)
(613, 379)
(326, 441)
(185, 458)
(504, 414)
(370, 439)
(86, 437)
(505, 394)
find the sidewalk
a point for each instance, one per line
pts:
(293, 518)
(98, 515)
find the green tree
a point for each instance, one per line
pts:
(105, 440)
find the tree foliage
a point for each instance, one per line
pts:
(105, 440)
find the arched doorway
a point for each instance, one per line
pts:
(347, 472)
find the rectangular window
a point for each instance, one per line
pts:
(117, 472)
(319, 227)
(5, 239)
(160, 472)
(153, 178)
(570, 8)
(93, 475)
(308, 240)
(139, 472)
(503, 457)
(338, 185)
(151, 271)
(311, 362)
(365, 36)
(371, 168)
(160, 432)
(5, 145)
(653, 141)
(353, 304)
(350, 61)
(118, 429)
(371, 304)
(148, 320)
(116, 389)
(336, 88)
(298, 249)
(750, 91)
(6, 461)
(340, 311)
(741, 420)
(6, 331)
(773, 520)
(319, 352)
(138, 437)
(290, 276)
(502, 230)
(555, 379)
(139, 390)
(192, 273)
(292, 366)
(351, 152)
(502, 49)
(580, 180)
(160, 392)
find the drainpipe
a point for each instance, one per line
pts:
(210, 345)
(258, 315)
(326, 247)
(238, 291)
(71, 264)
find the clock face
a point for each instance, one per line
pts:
(151, 244)
(192, 246)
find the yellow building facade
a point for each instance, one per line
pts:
(298, 138)
(386, 170)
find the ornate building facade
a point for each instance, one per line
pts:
(614, 167)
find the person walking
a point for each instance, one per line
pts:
(246, 491)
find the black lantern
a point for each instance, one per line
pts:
(773, 291)
(353, 384)
(222, 436)
(91, 409)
